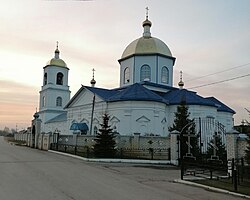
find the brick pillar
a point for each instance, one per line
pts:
(174, 147)
(36, 125)
(231, 144)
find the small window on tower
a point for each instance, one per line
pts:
(45, 79)
(164, 75)
(145, 73)
(59, 79)
(43, 102)
(59, 101)
(126, 75)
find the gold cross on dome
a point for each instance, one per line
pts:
(93, 70)
(147, 9)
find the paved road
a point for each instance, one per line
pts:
(30, 174)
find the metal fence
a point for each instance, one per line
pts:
(123, 153)
(233, 175)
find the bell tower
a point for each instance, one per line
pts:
(55, 93)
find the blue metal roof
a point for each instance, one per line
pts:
(157, 85)
(59, 118)
(103, 93)
(175, 97)
(136, 92)
(221, 106)
(79, 126)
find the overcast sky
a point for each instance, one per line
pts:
(206, 37)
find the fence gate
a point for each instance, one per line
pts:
(195, 162)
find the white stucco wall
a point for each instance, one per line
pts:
(142, 117)
(61, 127)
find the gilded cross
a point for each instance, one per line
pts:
(93, 70)
(180, 75)
(147, 9)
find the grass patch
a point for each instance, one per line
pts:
(226, 184)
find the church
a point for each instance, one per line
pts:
(144, 104)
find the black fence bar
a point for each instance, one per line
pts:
(131, 153)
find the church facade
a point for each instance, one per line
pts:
(143, 104)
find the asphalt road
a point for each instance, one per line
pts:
(30, 174)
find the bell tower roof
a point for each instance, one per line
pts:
(56, 61)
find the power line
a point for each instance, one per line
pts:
(219, 72)
(220, 81)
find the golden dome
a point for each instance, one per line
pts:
(147, 23)
(93, 82)
(146, 45)
(57, 62)
(181, 84)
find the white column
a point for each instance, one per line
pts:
(174, 147)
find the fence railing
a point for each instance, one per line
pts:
(233, 175)
(125, 153)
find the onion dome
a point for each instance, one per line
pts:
(36, 115)
(147, 23)
(93, 82)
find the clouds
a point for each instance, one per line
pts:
(17, 104)
(204, 36)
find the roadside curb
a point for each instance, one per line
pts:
(211, 188)
(114, 160)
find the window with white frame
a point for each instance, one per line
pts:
(59, 78)
(126, 75)
(59, 101)
(145, 74)
(164, 75)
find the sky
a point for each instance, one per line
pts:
(205, 37)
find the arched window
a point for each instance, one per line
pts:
(126, 75)
(145, 73)
(43, 101)
(59, 78)
(95, 130)
(59, 101)
(164, 75)
(45, 79)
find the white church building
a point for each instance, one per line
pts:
(144, 103)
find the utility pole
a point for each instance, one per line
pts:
(92, 114)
